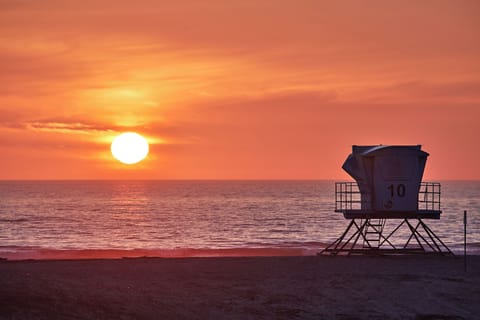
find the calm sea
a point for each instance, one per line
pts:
(184, 215)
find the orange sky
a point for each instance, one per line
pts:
(236, 89)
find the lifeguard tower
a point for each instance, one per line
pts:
(388, 187)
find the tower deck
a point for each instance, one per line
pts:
(370, 214)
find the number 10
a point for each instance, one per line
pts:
(400, 190)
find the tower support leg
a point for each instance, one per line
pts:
(425, 241)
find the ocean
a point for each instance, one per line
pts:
(206, 216)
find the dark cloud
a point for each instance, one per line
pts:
(70, 125)
(58, 124)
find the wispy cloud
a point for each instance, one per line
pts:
(67, 127)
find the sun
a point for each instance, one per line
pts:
(129, 148)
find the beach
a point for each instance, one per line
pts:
(299, 287)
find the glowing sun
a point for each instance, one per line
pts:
(129, 148)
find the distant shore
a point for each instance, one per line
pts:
(299, 287)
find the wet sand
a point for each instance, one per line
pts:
(308, 287)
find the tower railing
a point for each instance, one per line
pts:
(348, 196)
(429, 196)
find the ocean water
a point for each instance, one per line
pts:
(195, 215)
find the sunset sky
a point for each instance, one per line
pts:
(236, 89)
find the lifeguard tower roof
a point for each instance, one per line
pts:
(388, 184)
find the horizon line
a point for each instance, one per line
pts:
(219, 180)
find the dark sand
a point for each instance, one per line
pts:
(401, 287)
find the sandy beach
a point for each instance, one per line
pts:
(400, 287)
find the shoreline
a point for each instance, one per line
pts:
(18, 254)
(32, 253)
(29, 253)
(295, 287)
